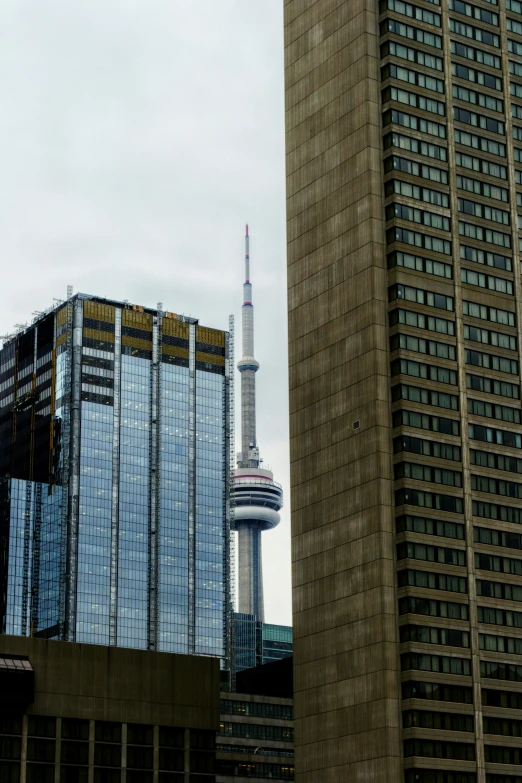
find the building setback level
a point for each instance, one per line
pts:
(404, 188)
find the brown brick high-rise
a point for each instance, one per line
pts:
(404, 157)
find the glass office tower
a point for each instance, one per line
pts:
(256, 643)
(114, 501)
(404, 176)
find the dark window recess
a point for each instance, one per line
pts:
(430, 527)
(139, 777)
(138, 734)
(208, 367)
(432, 608)
(99, 399)
(180, 342)
(9, 772)
(428, 635)
(171, 737)
(202, 740)
(74, 752)
(207, 348)
(412, 719)
(93, 361)
(139, 757)
(138, 353)
(97, 380)
(10, 747)
(11, 724)
(39, 726)
(432, 580)
(505, 699)
(439, 776)
(107, 776)
(486, 535)
(175, 777)
(74, 774)
(496, 754)
(433, 554)
(40, 750)
(140, 334)
(171, 759)
(40, 773)
(107, 755)
(461, 751)
(496, 670)
(437, 691)
(106, 731)
(98, 326)
(415, 497)
(180, 361)
(503, 727)
(98, 345)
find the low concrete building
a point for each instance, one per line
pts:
(78, 713)
(256, 736)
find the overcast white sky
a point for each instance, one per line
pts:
(137, 137)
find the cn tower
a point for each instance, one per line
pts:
(258, 498)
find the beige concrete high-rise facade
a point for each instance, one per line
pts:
(404, 187)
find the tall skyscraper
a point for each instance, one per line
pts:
(257, 497)
(404, 166)
(114, 458)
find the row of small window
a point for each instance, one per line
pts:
(421, 321)
(416, 239)
(434, 500)
(432, 608)
(505, 617)
(410, 10)
(497, 512)
(436, 691)
(408, 342)
(474, 33)
(444, 721)
(426, 421)
(421, 102)
(419, 264)
(493, 537)
(432, 581)
(409, 190)
(428, 448)
(498, 564)
(428, 635)
(489, 337)
(425, 371)
(483, 144)
(480, 234)
(416, 78)
(484, 211)
(425, 396)
(481, 188)
(491, 362)
(502, 644)
(431, 554)
(473, 11)
(420, 296)
(461, 751)
(425, 37)
(492, 411)
(411, 121)
(477, 121)
(477, 98)
(411, 55)
(431, 527)
(495, 486)
(417, 146)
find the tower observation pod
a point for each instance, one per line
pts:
(258, 498)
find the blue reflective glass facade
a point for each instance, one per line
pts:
(127, 543)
